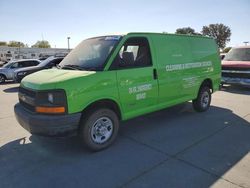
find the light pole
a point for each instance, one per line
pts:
(68, 43)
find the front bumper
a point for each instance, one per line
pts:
(239, 81)
(47, 125)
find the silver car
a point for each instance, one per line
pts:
(7, 71)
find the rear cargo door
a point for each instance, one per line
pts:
(136, 78)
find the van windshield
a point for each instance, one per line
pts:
(238, 54)
(90, 54)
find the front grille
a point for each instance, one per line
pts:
(27, 98)
(27, 92)
(27, 106)
(235, 75)
(235, 68)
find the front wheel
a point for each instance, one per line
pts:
(99, 129)
(202, 102)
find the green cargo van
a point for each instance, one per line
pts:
(111, 78)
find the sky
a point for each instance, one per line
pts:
(54, 20)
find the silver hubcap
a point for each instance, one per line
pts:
(205, 99)
(102, 130)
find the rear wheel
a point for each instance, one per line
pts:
(2, 78)
(99, 129)
(202, 102)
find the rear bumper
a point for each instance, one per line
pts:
(239, 81)
(47, 125)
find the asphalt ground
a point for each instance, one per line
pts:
(175, 147)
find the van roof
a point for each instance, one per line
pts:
(173, 34)
(151, 33)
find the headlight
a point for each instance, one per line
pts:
(53, 101)
(21, 73)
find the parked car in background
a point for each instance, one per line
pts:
(236, 66)
(44, 57)
(7, 71)
(46, 64)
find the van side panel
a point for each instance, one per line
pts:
(205, 50)
(170, 50)
(184, 62)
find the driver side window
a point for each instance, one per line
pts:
(135, 53)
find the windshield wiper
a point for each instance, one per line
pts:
(72, 67)
(77, 67)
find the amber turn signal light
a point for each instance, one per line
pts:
(50, 110)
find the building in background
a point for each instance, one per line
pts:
(13, 53)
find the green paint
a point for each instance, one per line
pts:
(182, 63)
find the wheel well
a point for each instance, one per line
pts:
(3, 75)
(107, 103)
(207, 82)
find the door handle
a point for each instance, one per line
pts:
(155, 76)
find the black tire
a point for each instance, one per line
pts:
(2, 79)
(100, 124)
(202, 102)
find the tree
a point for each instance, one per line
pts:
(15, 44)
(227, 49)
(2, 43)
(186, 31)
(220, 32)
(41, 44)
